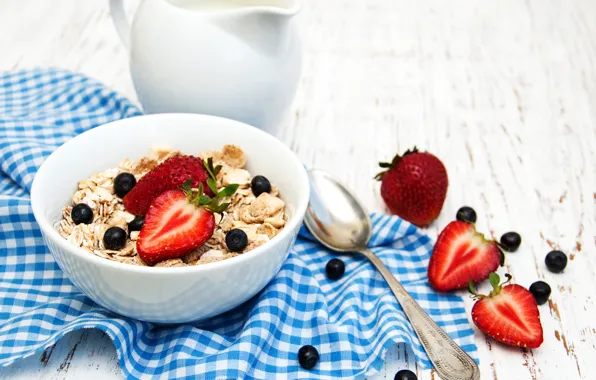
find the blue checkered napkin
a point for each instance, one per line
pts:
(352, 321)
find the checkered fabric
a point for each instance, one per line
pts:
(351, 321)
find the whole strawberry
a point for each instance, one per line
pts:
(168, 175)
(414, 186)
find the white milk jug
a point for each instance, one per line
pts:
(239, 59)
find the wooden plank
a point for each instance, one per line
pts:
(503, 92)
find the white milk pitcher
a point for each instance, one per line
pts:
(239, 59)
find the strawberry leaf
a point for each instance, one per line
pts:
(394, 162)
(208, 164)
(217, 208)
(212, 204)
(228, 190)
(212, 185)
(222, 207)
(187, 190)
(494, 280)
(186, 186)
(472, 289)
(502, 262)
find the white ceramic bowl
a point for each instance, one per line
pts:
(167, 295)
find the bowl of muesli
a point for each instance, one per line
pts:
(171, 218)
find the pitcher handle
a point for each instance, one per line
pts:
(120, 22)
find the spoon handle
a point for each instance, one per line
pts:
(450, 361)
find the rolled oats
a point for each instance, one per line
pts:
(144, 165)
(267, 229)
(263, 209)
(171, 263)
(192, 257)
(261, 218)
(233, 156)
(278, 220)
(239, 176)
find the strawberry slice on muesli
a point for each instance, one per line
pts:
(181, 220)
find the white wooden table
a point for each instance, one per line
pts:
(504, 92)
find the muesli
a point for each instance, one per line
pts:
(169, 209)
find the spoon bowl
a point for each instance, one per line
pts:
(334, 216)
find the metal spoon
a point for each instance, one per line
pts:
(338, 221)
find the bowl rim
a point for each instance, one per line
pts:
(52, 234)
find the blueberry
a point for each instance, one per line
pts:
(405, 374)
(114, 238)
(308, 357)
(123, 183)
(81, 213)
(260, 185)
(136, 224)
(510, 241)
(335, 269)
(556, 261)
(236, 240)
(466, 214)
(541, 291)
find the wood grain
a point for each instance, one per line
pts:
(504, 92)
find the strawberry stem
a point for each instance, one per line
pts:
(472, 290)
(200, 199)
(495, 282)
(212, 171)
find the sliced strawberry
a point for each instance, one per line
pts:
(462, 255)
(173, 227)
(508, 314)
(179, 221)
(168, 175)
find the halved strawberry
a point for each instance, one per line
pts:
(508, 314)
(462, 255)
(168, 175)
(179, 221)
(173, 227)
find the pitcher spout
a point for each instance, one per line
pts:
(261, 9)
(262, 25)
(283, 8)
(231, 7)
